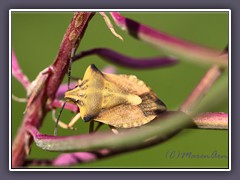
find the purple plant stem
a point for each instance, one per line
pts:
(109, 69)
(17, 72)
(63, 88)
(73, 158)
(209, 120)
(201, 89)
(136, 63)
(40, 106)
(168, 43)
(71, 107)
(69, 159)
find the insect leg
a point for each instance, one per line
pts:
(60, 123)
(114, 130)
(91, 127)
(98, 126)
(74, 120)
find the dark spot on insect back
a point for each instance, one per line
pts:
(88, 118)
(158, 111)
(95, 69)
(83, 83)
(159, 102)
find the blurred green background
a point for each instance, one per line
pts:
(36, 37)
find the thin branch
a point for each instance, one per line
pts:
(212, 120)
(40, 106)
(17, 72)
(15, 98)
(203, 86)
(35, 87)
(170, 44)
(63, 88)
(71, 107)
(109, 25)
(201, 89)
(119, 59)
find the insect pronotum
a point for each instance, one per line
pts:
(121, 101)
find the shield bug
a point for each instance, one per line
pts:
(121, 101)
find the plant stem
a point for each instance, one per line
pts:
(162, 128)
(211, 120)
(201, 89)
(40, 106)
(123, 60)
(181, 49)
(17, 72)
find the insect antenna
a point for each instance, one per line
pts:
(70, 66)
(69, 78)
(58, 118)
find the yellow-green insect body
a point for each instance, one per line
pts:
(117, 100)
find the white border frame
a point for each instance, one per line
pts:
(118, 10)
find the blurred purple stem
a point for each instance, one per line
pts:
(17, 72)
(201, 89)
(63, 88)
(109, 69)
(168, 43)
(69, 159)
(117, 58)
(71, 107)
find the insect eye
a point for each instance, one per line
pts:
(75, 100)
(71, 100)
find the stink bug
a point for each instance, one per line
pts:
(121, 101)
